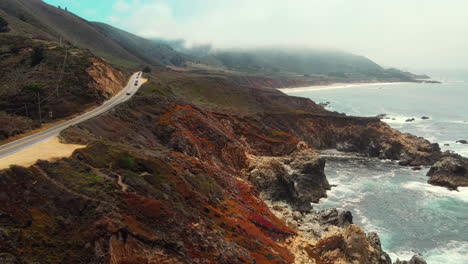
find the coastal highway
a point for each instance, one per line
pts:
(26, 142)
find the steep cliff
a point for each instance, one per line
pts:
(167, 180)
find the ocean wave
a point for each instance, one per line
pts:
(402, 255)
(459, 122)
(432, 191)
(455, 252)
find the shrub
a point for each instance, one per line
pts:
(35, 87)
(3, 25)
(146, 69)
(127, 162)
(37, 56)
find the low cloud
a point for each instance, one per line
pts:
(410, 34)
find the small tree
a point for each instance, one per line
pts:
(37, 56)
(36, 89)
(3, 25)
(22, 17)
(127, 162)
(146, 69)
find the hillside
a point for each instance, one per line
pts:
(168, 179)
(44, 78)
(145, 50)
(34, 18)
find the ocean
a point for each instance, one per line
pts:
(409, 215)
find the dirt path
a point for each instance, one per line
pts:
(47, 150)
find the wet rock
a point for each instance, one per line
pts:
(374, 241)
(446, 145)
(462, 141)
(416, 259)
(425, 118)
(450, 171)
(333, 217)
(383, 116)
(410, 120)
(345, 218)
(417, 168)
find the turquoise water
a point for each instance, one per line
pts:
(409, 214)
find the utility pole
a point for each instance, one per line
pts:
(39, 107)
(62, 72)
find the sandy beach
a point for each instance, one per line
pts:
(336, 86)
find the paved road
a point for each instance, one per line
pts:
(122, 96)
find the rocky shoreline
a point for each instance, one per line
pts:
(329, 236)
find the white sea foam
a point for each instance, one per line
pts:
(455, 252)
(436, 191)
(459, 122)
(402, 255)
(394, 119)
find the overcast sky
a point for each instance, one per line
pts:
(410, 34)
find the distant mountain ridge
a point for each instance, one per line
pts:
(333, 63)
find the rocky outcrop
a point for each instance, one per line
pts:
(329, 237)
(104, 81)
(450, 171)
(298, 179)
(416, 259)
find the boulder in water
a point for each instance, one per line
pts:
(410, 120)
(462, 141)
(450, 171)
(383, 116)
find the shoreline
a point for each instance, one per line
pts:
(336, 86)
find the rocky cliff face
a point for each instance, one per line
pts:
(104, 80)
(298, 178)
(164, 180)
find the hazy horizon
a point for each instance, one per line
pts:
(412, 35)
